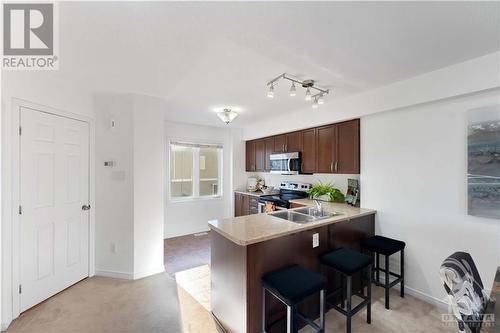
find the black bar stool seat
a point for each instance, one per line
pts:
(383, 245)
(348, 263)
(387, 247)
(291, 285)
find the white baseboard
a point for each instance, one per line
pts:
(143, 274)
(419, 294)
(114, 274)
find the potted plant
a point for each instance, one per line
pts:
(325, 192)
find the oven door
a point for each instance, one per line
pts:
(285, 164)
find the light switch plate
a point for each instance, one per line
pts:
(315, 240)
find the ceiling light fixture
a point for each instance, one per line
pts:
(293, 90)
(308, 94)
(227, 115)
(318, 97)
(315, 103)
(321, 100)
(270, 93)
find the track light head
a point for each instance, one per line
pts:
(270, 93)
(308, 94)
(293, 90)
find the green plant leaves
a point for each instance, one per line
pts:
(320, 189)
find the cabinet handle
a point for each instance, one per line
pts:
(286, 147)
(331, 167)
(336, 166)
(283, 147)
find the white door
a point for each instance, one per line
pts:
(54, 170)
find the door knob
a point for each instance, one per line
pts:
(85, 207)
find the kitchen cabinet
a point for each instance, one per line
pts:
(308, 151)
(348, 147)
(325, 149)
(250, 156)
(260, 155)
(293, 142)
(331, 148)
(287, 143)
(245, 204)
(269, 149)
(279, 143)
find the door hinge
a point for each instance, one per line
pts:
(20, 130)
(20, 210)
(20, 288)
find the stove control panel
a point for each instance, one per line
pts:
(295, 186)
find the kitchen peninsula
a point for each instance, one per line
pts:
(244, 248)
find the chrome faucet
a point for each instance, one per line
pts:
(319, 205)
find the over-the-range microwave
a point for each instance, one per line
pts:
(285, 164)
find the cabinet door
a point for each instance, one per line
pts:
(308, 151)
(325, 149)
(260, 155)
(279, 143)
(250, 156)
(269, 149)
(293, 142)
(347, 160)
(245, 210)
(237, 204)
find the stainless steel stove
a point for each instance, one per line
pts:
(288, 191)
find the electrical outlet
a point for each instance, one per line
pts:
(112, 247)
(315, 240)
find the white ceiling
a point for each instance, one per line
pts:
(198, 56)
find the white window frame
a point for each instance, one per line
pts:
(196, 171)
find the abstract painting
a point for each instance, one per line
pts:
(483, 171)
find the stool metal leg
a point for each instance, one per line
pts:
(342, 295)
(263, 310)
(289, 319)
(377, 272)
(387, 270)
(322, 310)
(402, 273)
(348, 300)
(369, 295)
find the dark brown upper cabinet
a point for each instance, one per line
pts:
(260, 155)
(348, 147)
(325, 149)
(269, 149)
(293, 142)
(308, 151)
(279, 143)
(250, 156)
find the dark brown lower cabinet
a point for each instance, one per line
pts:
(245, 204)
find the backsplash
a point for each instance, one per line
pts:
(338, 180)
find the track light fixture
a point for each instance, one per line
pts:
(293, 90)
(270, 93)
(317, 99)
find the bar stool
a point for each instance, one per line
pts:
(348, 263)
(386, 246)
(291, 285)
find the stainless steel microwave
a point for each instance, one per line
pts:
(285, 164)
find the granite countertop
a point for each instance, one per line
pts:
(254, 194)
(250, 229)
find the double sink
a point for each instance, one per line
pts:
(304, 215)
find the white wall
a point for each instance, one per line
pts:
(414, 173)
(182, 218)
(129, 208)
(338, 181)
(149, 158)
(114, 206)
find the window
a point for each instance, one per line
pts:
(195, 170)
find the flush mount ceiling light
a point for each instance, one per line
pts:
(317, 98)
(227, 115)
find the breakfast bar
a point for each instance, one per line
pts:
(245, 248)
